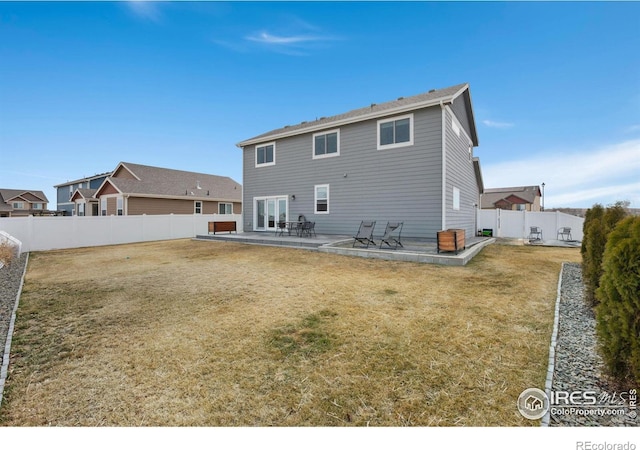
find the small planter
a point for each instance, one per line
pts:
(451, 240)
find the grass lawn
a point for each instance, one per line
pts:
(190, 333)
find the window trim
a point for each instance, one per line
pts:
(395, 144)
(265, 164)
(103, 203)
(197, 207)
(315, 198)
(119, 206)
(225, 204)
(324, 133)
(456, 199)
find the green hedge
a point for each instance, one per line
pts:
(618, 314)
(598, 224)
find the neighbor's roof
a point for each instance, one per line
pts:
(26, 194)
(83, 180)
(149, 181)
(402, 104)
(493, 195)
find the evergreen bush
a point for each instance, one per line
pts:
(618, 314)
(597, 225)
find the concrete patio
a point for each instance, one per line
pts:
(414, 250)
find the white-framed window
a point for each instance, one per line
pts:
(521, 207)
(197, 207)
(395, 132)
(103, 206)
(18, 205)
(38, 206)
(81, 209)
(326, 144)
(321, 199)
(225, 208)
(456, 199)
(120, 207)
(266, 154)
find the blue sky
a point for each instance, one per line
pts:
(84, 85)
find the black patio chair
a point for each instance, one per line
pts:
(308, 228)
(365, 234)
(389, 239)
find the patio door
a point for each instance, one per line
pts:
(268, 212)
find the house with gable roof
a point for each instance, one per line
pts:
(519, 198)
(408, 160)
(22, 202)
(135, 189)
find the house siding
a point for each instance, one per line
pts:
(460, 174)
(154, 206)
(399, 184)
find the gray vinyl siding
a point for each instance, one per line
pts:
(400, 184)
(460, 174)
(459, 107)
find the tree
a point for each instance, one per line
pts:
(618, 313)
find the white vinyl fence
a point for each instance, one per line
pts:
(516, 224)
(48, 233)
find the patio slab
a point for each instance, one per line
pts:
(414, 250)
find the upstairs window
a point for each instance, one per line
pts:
(266, 155)
(197, 205)
(396, 132)
(326, 144)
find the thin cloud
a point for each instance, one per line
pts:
(494, 124)
(267, 38)
(146, 10)
(574, 176)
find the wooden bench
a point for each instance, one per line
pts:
(217, 227)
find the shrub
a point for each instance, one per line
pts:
(597, 225)
(618, 314)
(7, 252)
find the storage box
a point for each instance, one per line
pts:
(451, 240)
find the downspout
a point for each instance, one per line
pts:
(444, 168)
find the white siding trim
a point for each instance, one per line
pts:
(315, 199)
(313, 144)
(444, 167)
(399, 144)
(255, 150)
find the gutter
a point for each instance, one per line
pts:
(321, 126)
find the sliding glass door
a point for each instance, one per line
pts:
(268, 212)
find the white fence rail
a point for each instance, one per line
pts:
(516, 224)
(49, 233)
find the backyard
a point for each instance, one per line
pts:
(193, 333)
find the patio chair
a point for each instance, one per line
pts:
(390, 240)
(308, 228)
(564, 233)
(298, 227)
(535, 233)
(282, 227)
(365, 234)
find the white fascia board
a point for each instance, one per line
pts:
(337, 123)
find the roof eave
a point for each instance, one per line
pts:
(372, 115)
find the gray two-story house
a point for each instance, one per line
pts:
(408, 160)
(87, 185)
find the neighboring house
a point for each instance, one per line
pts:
(22, 202)
(521, 198)
(408, 160)
(66, 190)
(135, 189)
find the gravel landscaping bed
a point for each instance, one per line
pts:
(578, 366)
(10, 277)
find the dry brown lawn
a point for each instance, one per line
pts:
(189, 333)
